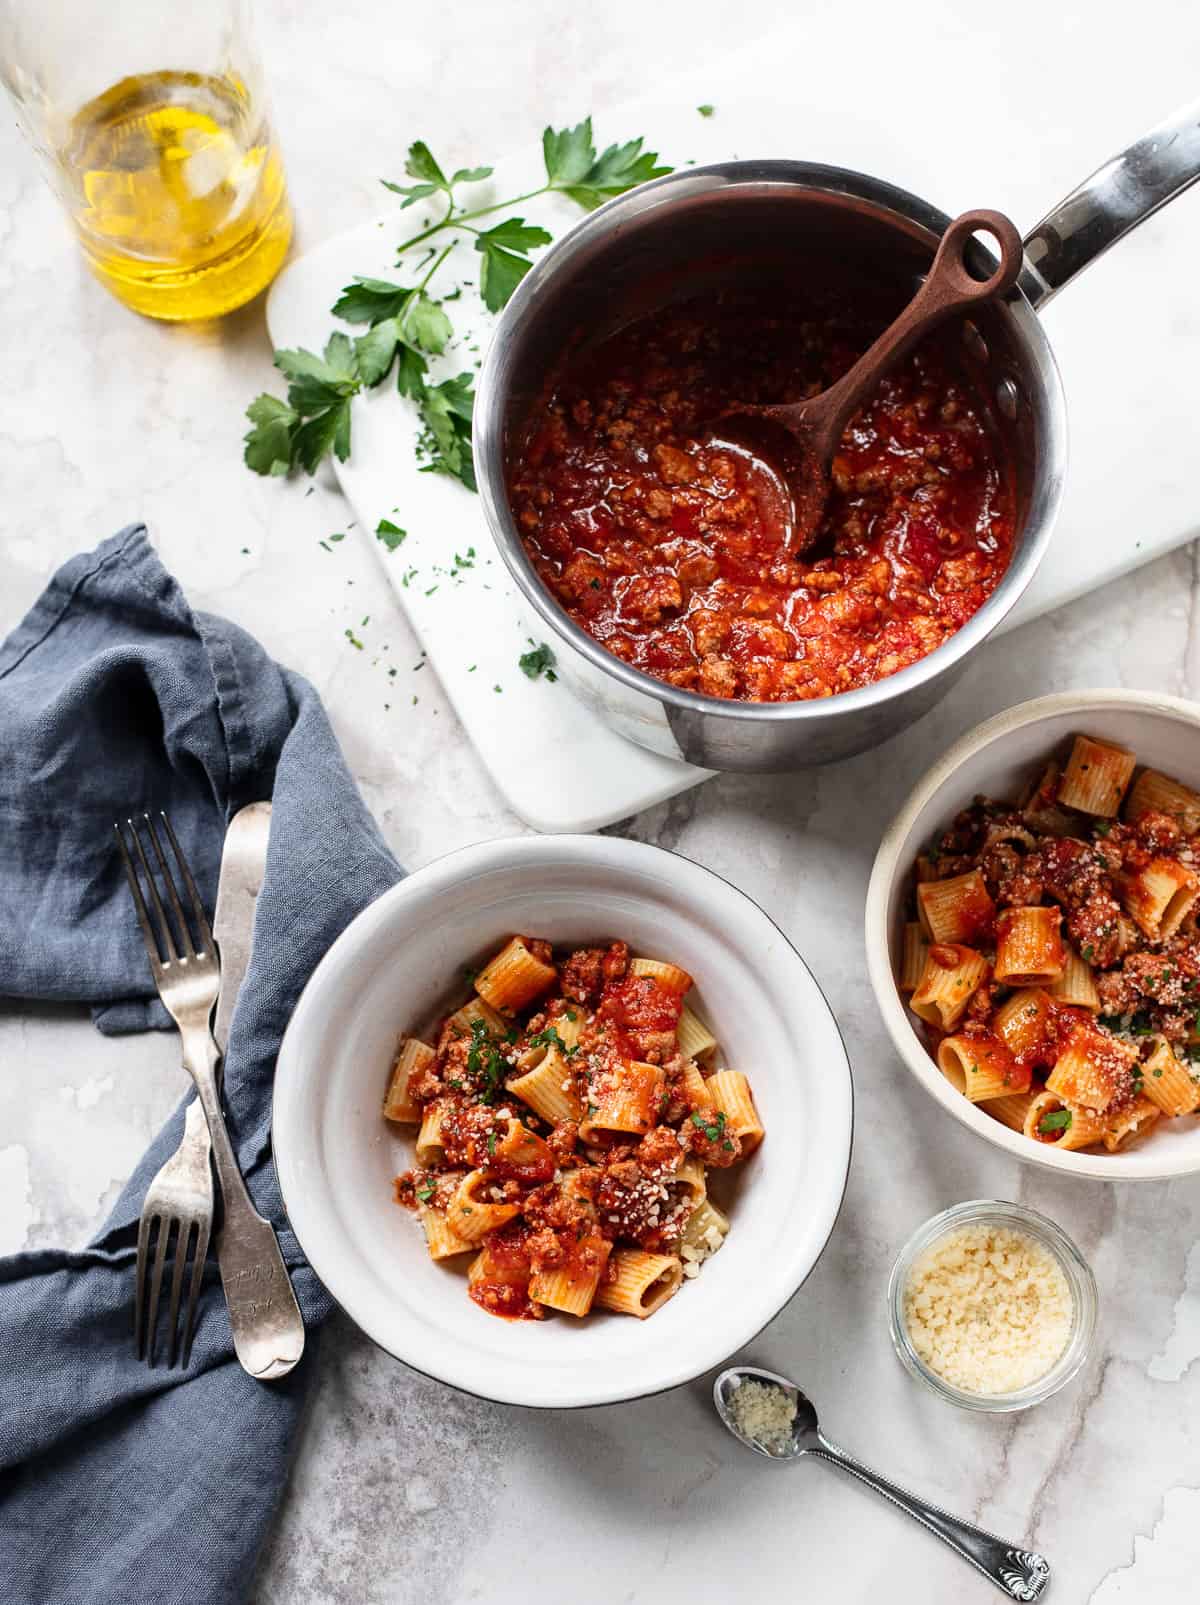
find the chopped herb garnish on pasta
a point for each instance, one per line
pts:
(1059, 1120)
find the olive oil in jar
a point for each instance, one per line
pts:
(175, 185)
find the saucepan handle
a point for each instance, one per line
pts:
(1116, 198)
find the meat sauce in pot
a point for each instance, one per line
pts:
(660, 542)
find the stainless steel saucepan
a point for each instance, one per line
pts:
(637, 251)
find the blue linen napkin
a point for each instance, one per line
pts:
(119, 1483)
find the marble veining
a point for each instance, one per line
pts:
(402, 1492)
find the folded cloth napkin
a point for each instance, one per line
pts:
(119, 1483)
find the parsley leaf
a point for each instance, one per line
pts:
(505, 258)
(573, 167)
(316, 417)
(325, 431)
(445, 411)
(370, 301)
(410, 372)
(421, 166)
(375, 351)
(315, 382)
(706, 111)
(539, 661)
(425, 325)
(269, 443)
(514, 234)
(568, 153)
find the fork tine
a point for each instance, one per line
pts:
(168, 939)
(169, 881)
(201, 1253)
(164, 1231)
(181, 1248)
(202, 925)
(139, 902)
(139, 1286)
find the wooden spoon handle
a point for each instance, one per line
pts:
(950, 287)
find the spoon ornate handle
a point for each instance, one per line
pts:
(816, 425)
(1021, 1574)
(950, 287)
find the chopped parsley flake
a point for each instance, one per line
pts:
(547, 1038)
(540, 660)
(484, 1060)
(1058, 1121)
(390, 534)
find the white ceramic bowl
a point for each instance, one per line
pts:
(392, 969)
(997, 759)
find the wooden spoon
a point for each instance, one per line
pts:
(797, 439)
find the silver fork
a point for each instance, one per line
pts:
(268, 1329)
(179, 1199)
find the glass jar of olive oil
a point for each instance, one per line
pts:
(151, 122)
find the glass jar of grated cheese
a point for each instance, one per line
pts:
(992, 1306)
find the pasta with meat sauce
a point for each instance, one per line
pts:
(567, 1118)
(1053, 952)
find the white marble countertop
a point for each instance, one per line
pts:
(402, 1490)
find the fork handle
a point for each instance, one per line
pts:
(268, 1328)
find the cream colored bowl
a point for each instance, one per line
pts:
(996, 759)
(402, 959)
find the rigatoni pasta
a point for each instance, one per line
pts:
(916, 951)
(1159, 896)
(1156, 793)
(1076, 984)
(641, 1283)
(980, 1069)
(413, 1056)
(952, 973)
(957, 909)
(1029, 946)
(568, 1118)
(1052, 951)
(1167, 1082)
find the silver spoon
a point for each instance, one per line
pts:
(1020, 1573)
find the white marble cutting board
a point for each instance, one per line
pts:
(1125, 336)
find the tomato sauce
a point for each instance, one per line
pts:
(661, 543)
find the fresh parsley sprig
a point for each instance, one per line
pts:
(405, 325)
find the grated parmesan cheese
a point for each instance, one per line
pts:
(988, 1308)
(764, 1413)
(694, 1254)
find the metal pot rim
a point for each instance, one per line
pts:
(786, 175)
